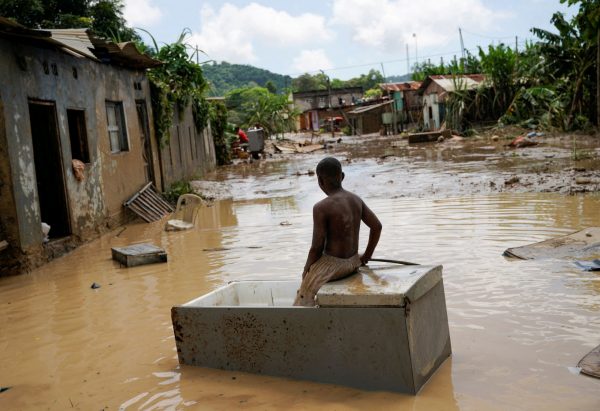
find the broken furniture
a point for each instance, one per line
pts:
(581, 244)
(139, 254)
(380, 329)
(149, 204)
(187, 210)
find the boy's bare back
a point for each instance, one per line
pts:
(338, 218)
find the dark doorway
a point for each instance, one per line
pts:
(49, 168)
(78, 135)
(145, 139)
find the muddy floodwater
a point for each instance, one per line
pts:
(517, 327)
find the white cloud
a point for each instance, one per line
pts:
(230, 33)
(141, 13)
(389, 24)
(311, 60)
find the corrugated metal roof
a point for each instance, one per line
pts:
(405, 86)
(76, 40)
(81, 42)
(451, 82)
(363, 109)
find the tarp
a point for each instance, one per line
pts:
(582, 244)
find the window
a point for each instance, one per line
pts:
(116, 127)
(321, 102)
(78, 135)
(308, 100)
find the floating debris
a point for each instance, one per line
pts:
(95, 286)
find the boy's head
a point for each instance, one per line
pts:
(329, 174)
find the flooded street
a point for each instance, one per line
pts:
(516, 326)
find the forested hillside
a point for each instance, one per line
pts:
(224, 77)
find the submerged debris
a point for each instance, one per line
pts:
(95, 286)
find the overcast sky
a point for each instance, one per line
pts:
(343, 37)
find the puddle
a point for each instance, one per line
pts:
(516, 326)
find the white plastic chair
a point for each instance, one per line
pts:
(187, 210)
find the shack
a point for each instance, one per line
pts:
(372, 118)
(66, 95)
(435, 90)
(407, 102)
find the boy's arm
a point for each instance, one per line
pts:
(318, 239)
(371, 220)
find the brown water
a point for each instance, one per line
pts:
(516, 326)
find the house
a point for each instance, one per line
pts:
(407, 101)
(65, 96)
(317, 106)
(435, 90)
(370, 118)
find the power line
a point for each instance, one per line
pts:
(377, 63)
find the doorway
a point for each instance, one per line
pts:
(145, 137)
(49, 168)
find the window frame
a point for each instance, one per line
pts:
(120, 127)
(77, 120)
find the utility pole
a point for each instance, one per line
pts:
(383, 72)
(416, 49)
(598, 79)
(407, 60)
(197, 55)
(462, 44)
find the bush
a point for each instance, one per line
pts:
(178, 188)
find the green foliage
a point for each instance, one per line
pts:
(257, 105)
(308, 82)
(224, 77)
(374, 93)
(104, 17)
(219, 128)
(177, 189)
(468, 65)
(177, 82)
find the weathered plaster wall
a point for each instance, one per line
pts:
(9, 258)
(189, 154)
(110, 179)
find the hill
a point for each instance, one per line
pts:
(225, 76)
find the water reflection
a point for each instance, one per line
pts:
(515, 325)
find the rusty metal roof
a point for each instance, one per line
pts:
(404, 86)
(364, 109)
(81, 43)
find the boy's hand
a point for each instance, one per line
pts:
(364, 259)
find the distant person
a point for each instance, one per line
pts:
(336, 225)
(241, 135)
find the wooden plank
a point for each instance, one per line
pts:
(3, 245)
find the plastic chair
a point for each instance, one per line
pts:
(187, 209)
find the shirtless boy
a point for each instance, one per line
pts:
(336, 224)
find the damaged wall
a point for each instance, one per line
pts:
(57, 81)
(189, 154)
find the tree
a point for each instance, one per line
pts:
(308, 82)
(269, 85)
(104, 17)
(588, 19)
(108, 21)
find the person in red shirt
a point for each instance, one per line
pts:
(241, 135)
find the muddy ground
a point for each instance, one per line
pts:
(481, 164)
